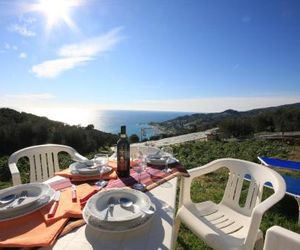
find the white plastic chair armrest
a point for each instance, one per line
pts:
(15, 174)
(79, 157)
(260, 209)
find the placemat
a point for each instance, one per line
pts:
(152, 177)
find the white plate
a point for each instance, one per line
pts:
(157, 160)
(98, 205)
(34, 191)
(119, 227)
(42, 201)
(84, 169)
(98, 215)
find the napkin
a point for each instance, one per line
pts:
(30, 231)
(66, 207)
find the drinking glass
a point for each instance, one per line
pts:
(100, 162)
(139, 167)
(167, 154)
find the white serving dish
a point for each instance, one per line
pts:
(156, 159)
(38, 195)
(98, 215)
(80, 168)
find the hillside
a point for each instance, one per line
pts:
(284, 117)
(19, 130)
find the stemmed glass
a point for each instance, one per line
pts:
(100, 162)
(139, 167)
(167, 153)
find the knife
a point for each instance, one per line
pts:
(54, 205)
(74, 193)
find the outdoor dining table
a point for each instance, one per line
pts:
(157, 234)
(67, 230)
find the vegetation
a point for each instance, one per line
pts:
(19, 130)
(237, 124)
(211, 186)
(134, 138)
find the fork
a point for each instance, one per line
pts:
(19, 199)
(110, 206)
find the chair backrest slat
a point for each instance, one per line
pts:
(44, 166)
(55, 161)
(238, 189)
(38, 168)
(32, 168)
(252, 195)
(50, 164)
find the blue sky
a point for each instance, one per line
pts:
(198, 56)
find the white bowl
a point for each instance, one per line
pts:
(97, 213)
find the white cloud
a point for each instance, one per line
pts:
(23, 55)
(53, 68)
(74, 55)
(41, 96)
(93, 46)
(23, 30)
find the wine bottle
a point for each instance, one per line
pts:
(123, 154)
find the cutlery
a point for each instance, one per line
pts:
(98, 188)
(22, 197)
(110, 207)
(128, 204)
(7, 199)
(19, 199)
(74, 193)
(54, 205)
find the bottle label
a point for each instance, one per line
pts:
(123, 158)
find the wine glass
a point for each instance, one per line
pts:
(139, 167)
(100, 162)
(167, 154)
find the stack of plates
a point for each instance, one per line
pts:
(86, 168)
(104, 212)
(23, 199)
(158, 159)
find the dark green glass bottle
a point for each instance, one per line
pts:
(123, 154)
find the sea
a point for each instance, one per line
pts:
(135, 121)
(111, 120)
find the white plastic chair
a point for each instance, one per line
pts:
(279, 238)
(43, 160)
(227, 225)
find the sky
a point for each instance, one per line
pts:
(195, 56)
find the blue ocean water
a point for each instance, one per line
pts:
(111, 120)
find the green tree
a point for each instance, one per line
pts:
(134, 138)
